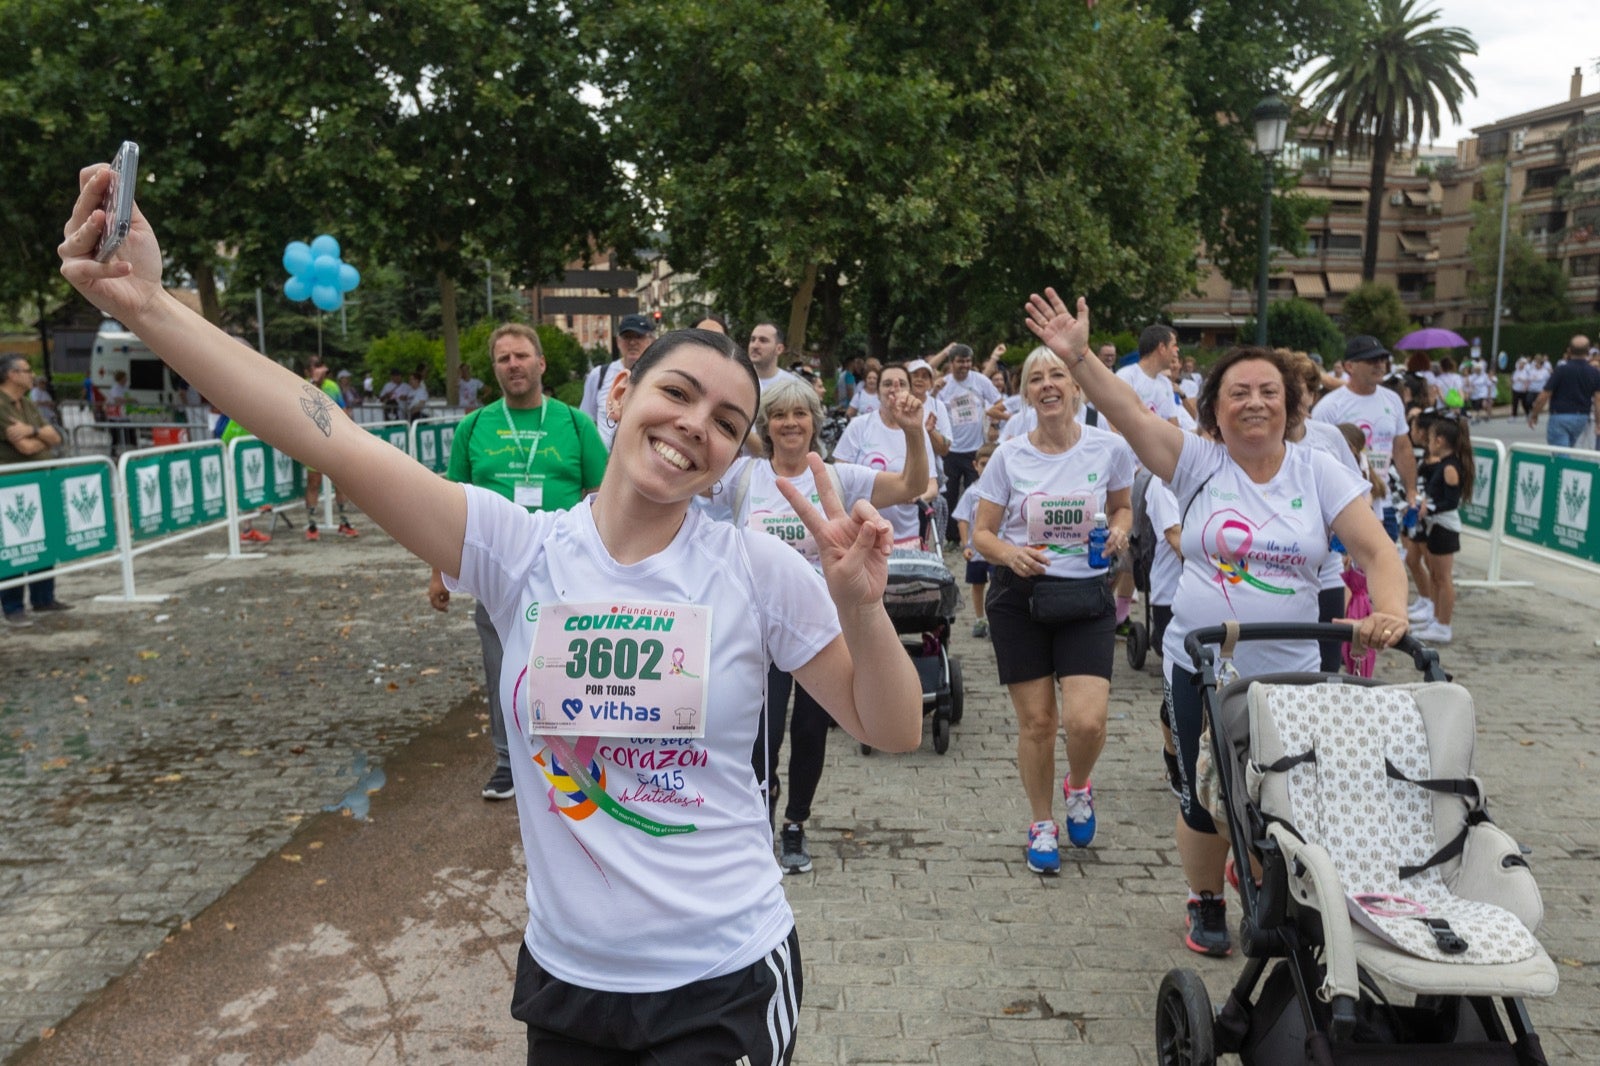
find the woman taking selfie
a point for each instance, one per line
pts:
(615, 864)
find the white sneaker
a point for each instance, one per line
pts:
(1433, 632)
(1421, 611)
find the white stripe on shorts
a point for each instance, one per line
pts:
(781, 1008)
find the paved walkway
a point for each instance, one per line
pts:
(925, 938)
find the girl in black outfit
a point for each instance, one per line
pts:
(1447, 484)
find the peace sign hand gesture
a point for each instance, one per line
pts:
(854, 546)
(1057, 328)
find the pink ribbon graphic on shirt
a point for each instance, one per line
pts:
(1230, 558)
(580, 778)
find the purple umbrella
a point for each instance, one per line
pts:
(1431, 338)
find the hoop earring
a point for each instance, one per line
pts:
(716, 488)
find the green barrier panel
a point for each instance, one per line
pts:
(395, 433)
(55, 515)
(265, 476)
(433, 440)
(171, 491)
(1479, 514)
(1552, 503)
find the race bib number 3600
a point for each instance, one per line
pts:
(616, 669)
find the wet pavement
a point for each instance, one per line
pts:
(393, 940)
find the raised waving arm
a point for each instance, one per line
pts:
(1155, 441)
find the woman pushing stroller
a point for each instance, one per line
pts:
(1256, 513)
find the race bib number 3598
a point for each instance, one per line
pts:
(616, 669)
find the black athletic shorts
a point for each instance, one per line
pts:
(1443, 541)
(1025, 650)
(748, 1016)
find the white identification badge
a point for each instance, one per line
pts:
(529, 493)
(617, 669)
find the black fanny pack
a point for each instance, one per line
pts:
(1070, 599)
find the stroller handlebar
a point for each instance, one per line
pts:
(1195, 643)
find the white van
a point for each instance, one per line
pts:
(152, 388)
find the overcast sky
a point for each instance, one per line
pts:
(1526, 52)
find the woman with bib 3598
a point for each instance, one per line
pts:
(1037, 502)
(875, 440)
(789, 425)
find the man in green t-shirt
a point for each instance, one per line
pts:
(535, 451)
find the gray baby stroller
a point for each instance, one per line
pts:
(1380, 869)
(921, 598)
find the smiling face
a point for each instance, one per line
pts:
(681, 423)
(791, 428)
(1250, 405)
(1049, 389)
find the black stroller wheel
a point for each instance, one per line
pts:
(1184, 1021)
(866, 749)
(958, 697)
(1138, 643)
(941, 731)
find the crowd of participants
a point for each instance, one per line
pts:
(687, 487)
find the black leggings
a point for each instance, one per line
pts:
(808, 744)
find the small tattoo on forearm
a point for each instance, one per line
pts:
(315, 404)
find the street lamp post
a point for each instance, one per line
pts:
(1271, 118)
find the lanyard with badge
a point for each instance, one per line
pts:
(529, 489)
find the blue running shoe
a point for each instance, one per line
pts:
(1044, 855)
(1080, 815)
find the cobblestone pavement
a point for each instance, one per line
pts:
(151, 754)
(925, 938)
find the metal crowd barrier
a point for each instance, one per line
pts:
(1536, 499)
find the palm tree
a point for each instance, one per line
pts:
(1384, 83)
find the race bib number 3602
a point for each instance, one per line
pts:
(616, 669)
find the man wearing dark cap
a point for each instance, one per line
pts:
(634, 334)
(1378, 413)
(1572, 394)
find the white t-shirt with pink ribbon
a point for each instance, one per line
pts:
(1252, 553)
(867, 442)
(663, 875)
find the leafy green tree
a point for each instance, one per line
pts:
(1383, 84)
(1228, 54)
(909, 168)
(1534, 289)
(1301, 326)
(1375, 308)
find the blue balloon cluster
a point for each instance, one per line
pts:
(316, 273)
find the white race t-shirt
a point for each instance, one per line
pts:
(967, 401)
(781, 375)
(1252, 552)
(1325, 438)
(1026, 420)
(1049, 501)
(763, 508)
(467, 392)
(1154, 392)
(1162, 508)
(967, 511)
(867, 442)
(646, 904)
(864, 402)
(1381, 418)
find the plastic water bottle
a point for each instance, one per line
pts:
(1097, 541)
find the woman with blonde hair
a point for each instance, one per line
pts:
(1051, 614)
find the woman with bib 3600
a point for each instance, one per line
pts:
(1052, 619)
(638, 635)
